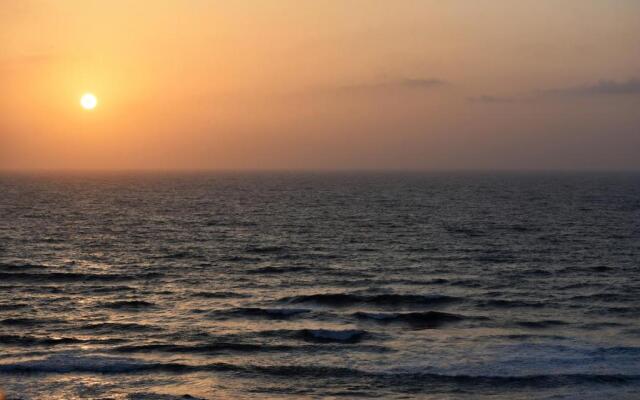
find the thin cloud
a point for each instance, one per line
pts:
(601, 88)
(407, 83)
(493, 99)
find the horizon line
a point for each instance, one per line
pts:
(313, 170)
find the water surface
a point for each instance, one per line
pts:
(309, 285)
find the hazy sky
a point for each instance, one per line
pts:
(320, 84)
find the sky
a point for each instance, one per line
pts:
(320, 84)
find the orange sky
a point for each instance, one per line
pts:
(331, 84)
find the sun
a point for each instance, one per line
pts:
(88, 101)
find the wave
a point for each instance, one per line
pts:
(524, 336)
(127, 305)
(277, 270)
(544, 324)
(36, 341)
(236, 258)
(230, 223)
(220, 295)
(117, 327)
(160, 396)
(265, 249)
(494, 259)
(601, 325)
(73, 277)
(201, 348)
(601, 268)
(424, 320)
(68, 363)
(605, 297)
(500, 303)
(632, 332)
(13, 267)
(349, 336)
(586, 269)
(109, 289)
(177, 256)
(257, 312)
(429, 380)
(13, 307)
(30, 321)
(413, 281)
(331, 336)
(350, 299)
(467, 283)
(65, 363)
(617, 350)
(465, 231)
(89, 364)
(631, 311)
(537, 272)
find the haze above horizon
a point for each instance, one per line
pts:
(333, 85)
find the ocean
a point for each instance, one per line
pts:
(320, 285)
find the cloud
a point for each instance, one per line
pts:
(493, 99)
(406, 83)
(420, 83)
(601, 88)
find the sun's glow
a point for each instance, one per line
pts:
(88, 101)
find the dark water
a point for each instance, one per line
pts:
(433, 286)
